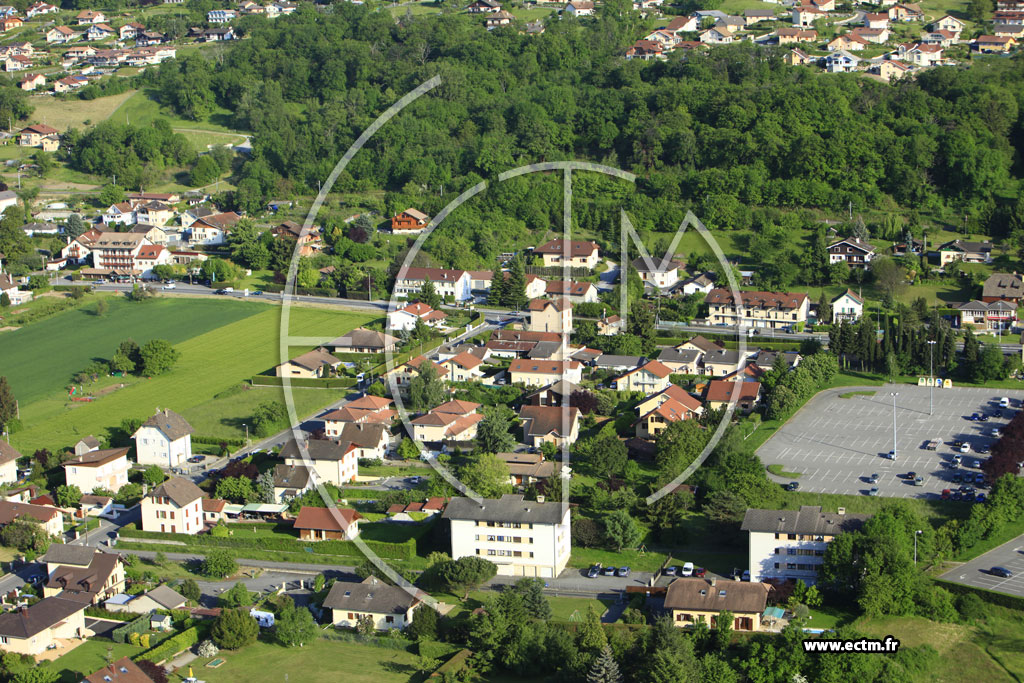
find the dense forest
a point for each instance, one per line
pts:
(722, 133)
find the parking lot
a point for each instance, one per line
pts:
(836, 444)
(977, 572)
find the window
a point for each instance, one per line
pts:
(351, 616)
(389, 619)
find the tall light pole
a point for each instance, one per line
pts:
(246, 434)
(894, 395)
(931, 374)
(916, 534)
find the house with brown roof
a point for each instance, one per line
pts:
(165, 439)
(790, 35)
(549, 424)
(327, 524)
(579, 8)
(212, 230)
(106, 469)
(291, 481)
(175, 507)
(406, 317)
(87, 17)
(527, 468)
(8, 463)
(454, 421)
(366, 409)
(85, 571)
(409, 222)
(33, 136)
(550, 315)
(50, 518)
(574, 253)
(1003, 287)
(44, 625)
(464, 367)
(774, 310)
(846, 41)
(657, 412)
(388, 607)
(60, 35)
(645, 50)
(403, 374)
(649, 378)
(123, 670)
(313, 364)
(690, 600)
(362, 340)
(807, 15)
(994, 44)
(518, 343)
(892, 68)
(540, 373)
(719, 392)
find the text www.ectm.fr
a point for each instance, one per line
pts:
(890, 644)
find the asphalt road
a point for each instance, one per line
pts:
(836, 444)
(975, 573)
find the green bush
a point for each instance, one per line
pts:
(138, 625)
(216, 441)
(171, 646)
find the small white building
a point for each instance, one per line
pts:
(165, 440)
(580, 8)
(522, 537)
(405, 318)
(847, 306)
(175, 506)
(107, 469)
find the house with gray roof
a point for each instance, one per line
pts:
(165, 440)
(1003, 287)
(790, 544)
(389, 607)
(34, 629)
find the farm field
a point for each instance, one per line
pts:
(221, 344)
(64, 114)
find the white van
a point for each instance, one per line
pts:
(1004, 402)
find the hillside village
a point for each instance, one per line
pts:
(404, 439)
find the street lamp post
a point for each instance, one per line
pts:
(894, 395)
(931, 374)
(246, 434)
(916, 534)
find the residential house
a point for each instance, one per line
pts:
(645, 50)
(574, 253)
(40, 627)
(100, 32)
(659, 411)
(38, 8)
(447, 283)
(847, 307)
(1003, 287)
(759, 309)
(579, 8)
(966, 251)
(87, 17)
(291, 481)
(214, 511)
(313, 364)
(690, 600)
(649, 378)
(941, 38)
(154, 233)
(123, 670)
(327, 524)
(409, 222)
(701, 283)
(483, 7)
(403, 374)
(162, 597)
(454, 421)
(106, 469)
(87, 444)
(174, 506)
(130, 30)
(389, 607)
(791, 544)
(575, 292)
(824, 5)
(755, 16)
(527, 468)
(549, 424)
(32, 82)
(731, 24)
(405, 318)
(610, 325)
(308, 244)
(221, 16)
(362, 340)
(540, 373)
(994, 44)
(686, 24)
(789, 35)
(95, 506)
(524, 538)
(661, 273)
(120, 214)
(847, 41)
(852, 251)
(550, 315)
(367, 409)
(807, 15)
(463, 367)
(716, 36)
(719, 392)
(518, 343)
(719, 362)
(50, 518)
(60, 35)
(165, 439)
(92, 574)
(878, 36)
(681, 361)
(480, 280)
(69, 83)
(370, 439)
(150, 256)
(841, 61)
(500, 18)
(33, 136)
(154, 213)
(211, 230)
(876, 20)
(1008, 23)
(921, 54)
(998, 315)
(12, 289)
(906, 11)
(335, 462)
(951, 24)
(891, 69)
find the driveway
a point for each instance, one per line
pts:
(975, 573)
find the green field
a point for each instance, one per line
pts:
(323, 661)
(221, 344)
(91, 656)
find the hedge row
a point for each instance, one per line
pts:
(216, 440)
(1011, 601)
(139, 625)
(246, 557)
(398, 551)
(100, 612)
(171, 646)
(303, 291)
(311, 382)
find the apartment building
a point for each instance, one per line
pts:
(456, 284)
(522, 537)
(175, 507)
(106, 469)
(759, 309)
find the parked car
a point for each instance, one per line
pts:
(793, 486)
(608, 571)
(996, 433)
(874, 478)
(746, 575)
(974, 417)
(918, 481)
(1001, 571)
(969, 497)
(594, 572)
(946, 494)
(958, 477)
(670, 571)
(873, 491)
(979, 479)
(891, 455)
(983, 417)
(196, 458)
(687, 569)
(983, 449)
(1004, 402)
(170, 286)
(911, 474)
(957, 458)
(965, 447)
(980, 498)
(699, 572)
(622, 571)
(957, 495)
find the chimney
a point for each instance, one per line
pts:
(841, 511)
(713, 581)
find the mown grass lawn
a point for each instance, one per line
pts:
(322, 661)
(64, 114)
(91, 656)
(221, 344)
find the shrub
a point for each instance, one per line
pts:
(234, 629)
